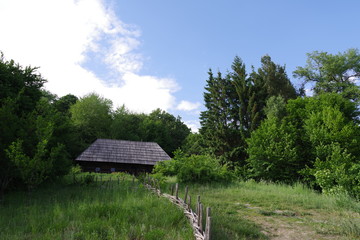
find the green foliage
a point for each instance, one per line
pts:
(64, 103)
(166, 168)
(22, 84)
(273, 154)
(92, 212)
(35, 138)
(275, 107)
(271, 80)
(220, 122)
(194, 144)
(272, 148)
(127, 125)
(332, 73)
(33, 170)
(316, 139)
(60, 159)
(92, 116)
(159, 126)
(235, 106)
(337, 173)
(165, 129)
(335, 147)
(74, 170)
(194, 168)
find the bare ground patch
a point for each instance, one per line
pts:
(291, 225)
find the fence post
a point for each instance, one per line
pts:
(177, 190)
(208, 222)
(200, 218)
(208, 228)
(172, 189)
(198, 205)
(189, 204)
(186, 193)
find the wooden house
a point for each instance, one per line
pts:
(108, 155)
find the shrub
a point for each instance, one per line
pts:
(195, 168)
(167, 168)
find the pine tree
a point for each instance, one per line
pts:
(270, 80)
(220, 122)
(235, 106)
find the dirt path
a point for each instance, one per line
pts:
(288, 225)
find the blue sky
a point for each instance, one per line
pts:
(149, 54)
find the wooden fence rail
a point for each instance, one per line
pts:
(195, 218)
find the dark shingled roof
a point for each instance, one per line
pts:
(120, 151)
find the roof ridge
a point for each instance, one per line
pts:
(109, 139)
(123, 151)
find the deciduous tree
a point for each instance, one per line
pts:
(336, 73)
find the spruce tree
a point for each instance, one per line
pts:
(235, 106)
(220, 122)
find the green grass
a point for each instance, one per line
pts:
(243, 210)
(251, 210)
(95, 211)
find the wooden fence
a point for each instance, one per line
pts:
(195, 218)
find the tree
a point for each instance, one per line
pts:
(22, 84)
(270, 80)
(64, 103)
(334, 139)
(165, 129)
(273, 154)
(158, 126)
(35, 153)
(275, 107)
(92, 115)
(20, 90)
(247, 108)
(220, 125)
(332, 73)
(194, 145)
(235, 106)
(127, 125)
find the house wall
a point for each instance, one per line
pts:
(107, 167)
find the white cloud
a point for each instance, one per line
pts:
(188, 106)
(144, 93)
(193, 125)
(59, 35)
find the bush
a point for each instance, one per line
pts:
(337, 173)
(195, 168)
(167, 168)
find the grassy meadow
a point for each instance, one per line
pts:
(125, 210)
(251, 210)
(91, 211)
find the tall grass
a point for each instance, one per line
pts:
(235, 205)
(124, 211)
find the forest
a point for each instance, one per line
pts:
(256, 125)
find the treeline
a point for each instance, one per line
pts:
(41, 134)
(261, 127)
(256, 125)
